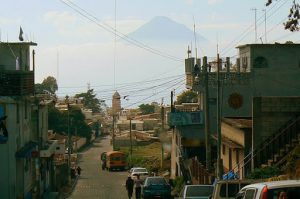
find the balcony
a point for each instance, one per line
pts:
(16, 83)
(186, 118)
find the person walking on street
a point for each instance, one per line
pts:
(138, 187)
(129, 186)
(78, 170)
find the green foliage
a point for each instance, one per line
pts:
(292, 23)
(58, 121)
(90, 101)
(187, 97)
(262, 173)
(49, 84)
(147, 108)
(178, 185)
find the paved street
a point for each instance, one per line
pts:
(95, 183)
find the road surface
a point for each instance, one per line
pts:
(95, 183)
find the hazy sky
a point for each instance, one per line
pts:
(77, 51)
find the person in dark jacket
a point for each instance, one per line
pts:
(129, 186)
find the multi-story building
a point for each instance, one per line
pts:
(23, 174)
(261, 70)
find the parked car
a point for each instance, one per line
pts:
(142, 172)
(196, 192)
(131, 170)
(284, 189)
(227, 189)
(156, 187)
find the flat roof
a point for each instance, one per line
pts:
(30, 43)
(269, 45)
(238, 122)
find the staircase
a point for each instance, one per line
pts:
(274, 150)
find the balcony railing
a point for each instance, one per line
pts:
(16, 83)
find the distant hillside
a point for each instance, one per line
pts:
(164, 29)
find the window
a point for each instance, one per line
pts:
(223, 149)
(260, 62)
(250, 194)
(229, 190)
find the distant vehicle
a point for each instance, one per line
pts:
(115, 160)
(130, 171)
(156, 187)
(142, 172)
(196, 192)
(227, 189)
(284, 189)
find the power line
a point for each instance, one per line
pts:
(108, 28)
(250, 28)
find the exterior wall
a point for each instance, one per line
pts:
(8, 60)
(270, 113)
(240, 137)
(234, 134)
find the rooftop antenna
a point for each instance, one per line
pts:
(255, 10)
(195, 37)
(265, 12)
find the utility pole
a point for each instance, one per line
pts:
(219, 160)
(69, 140)
(162, 131)
(130, 141)
(206, 116)
(265, 11)
(113, 132)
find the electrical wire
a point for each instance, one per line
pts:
(108, 28)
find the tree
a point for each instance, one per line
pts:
(292, 23)
(90, 101)
(58, 121)
(187, 97)
(49, 84)
(147, 108)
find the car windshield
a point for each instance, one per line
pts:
(156, 181)
(193, 191)
(140, 170)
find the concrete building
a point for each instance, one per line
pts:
(19, 154)
(261, 70)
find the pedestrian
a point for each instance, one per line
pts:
(129, 186)
(138, 187)
(78, 170)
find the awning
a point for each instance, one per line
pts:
(26, 150)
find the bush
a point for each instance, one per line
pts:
(178, 185)
(262, 173)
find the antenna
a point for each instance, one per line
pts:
(195, 37)
(265, 11)
(255, 10)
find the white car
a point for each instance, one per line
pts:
(142, 172)
(284, 189)
(196, 192)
